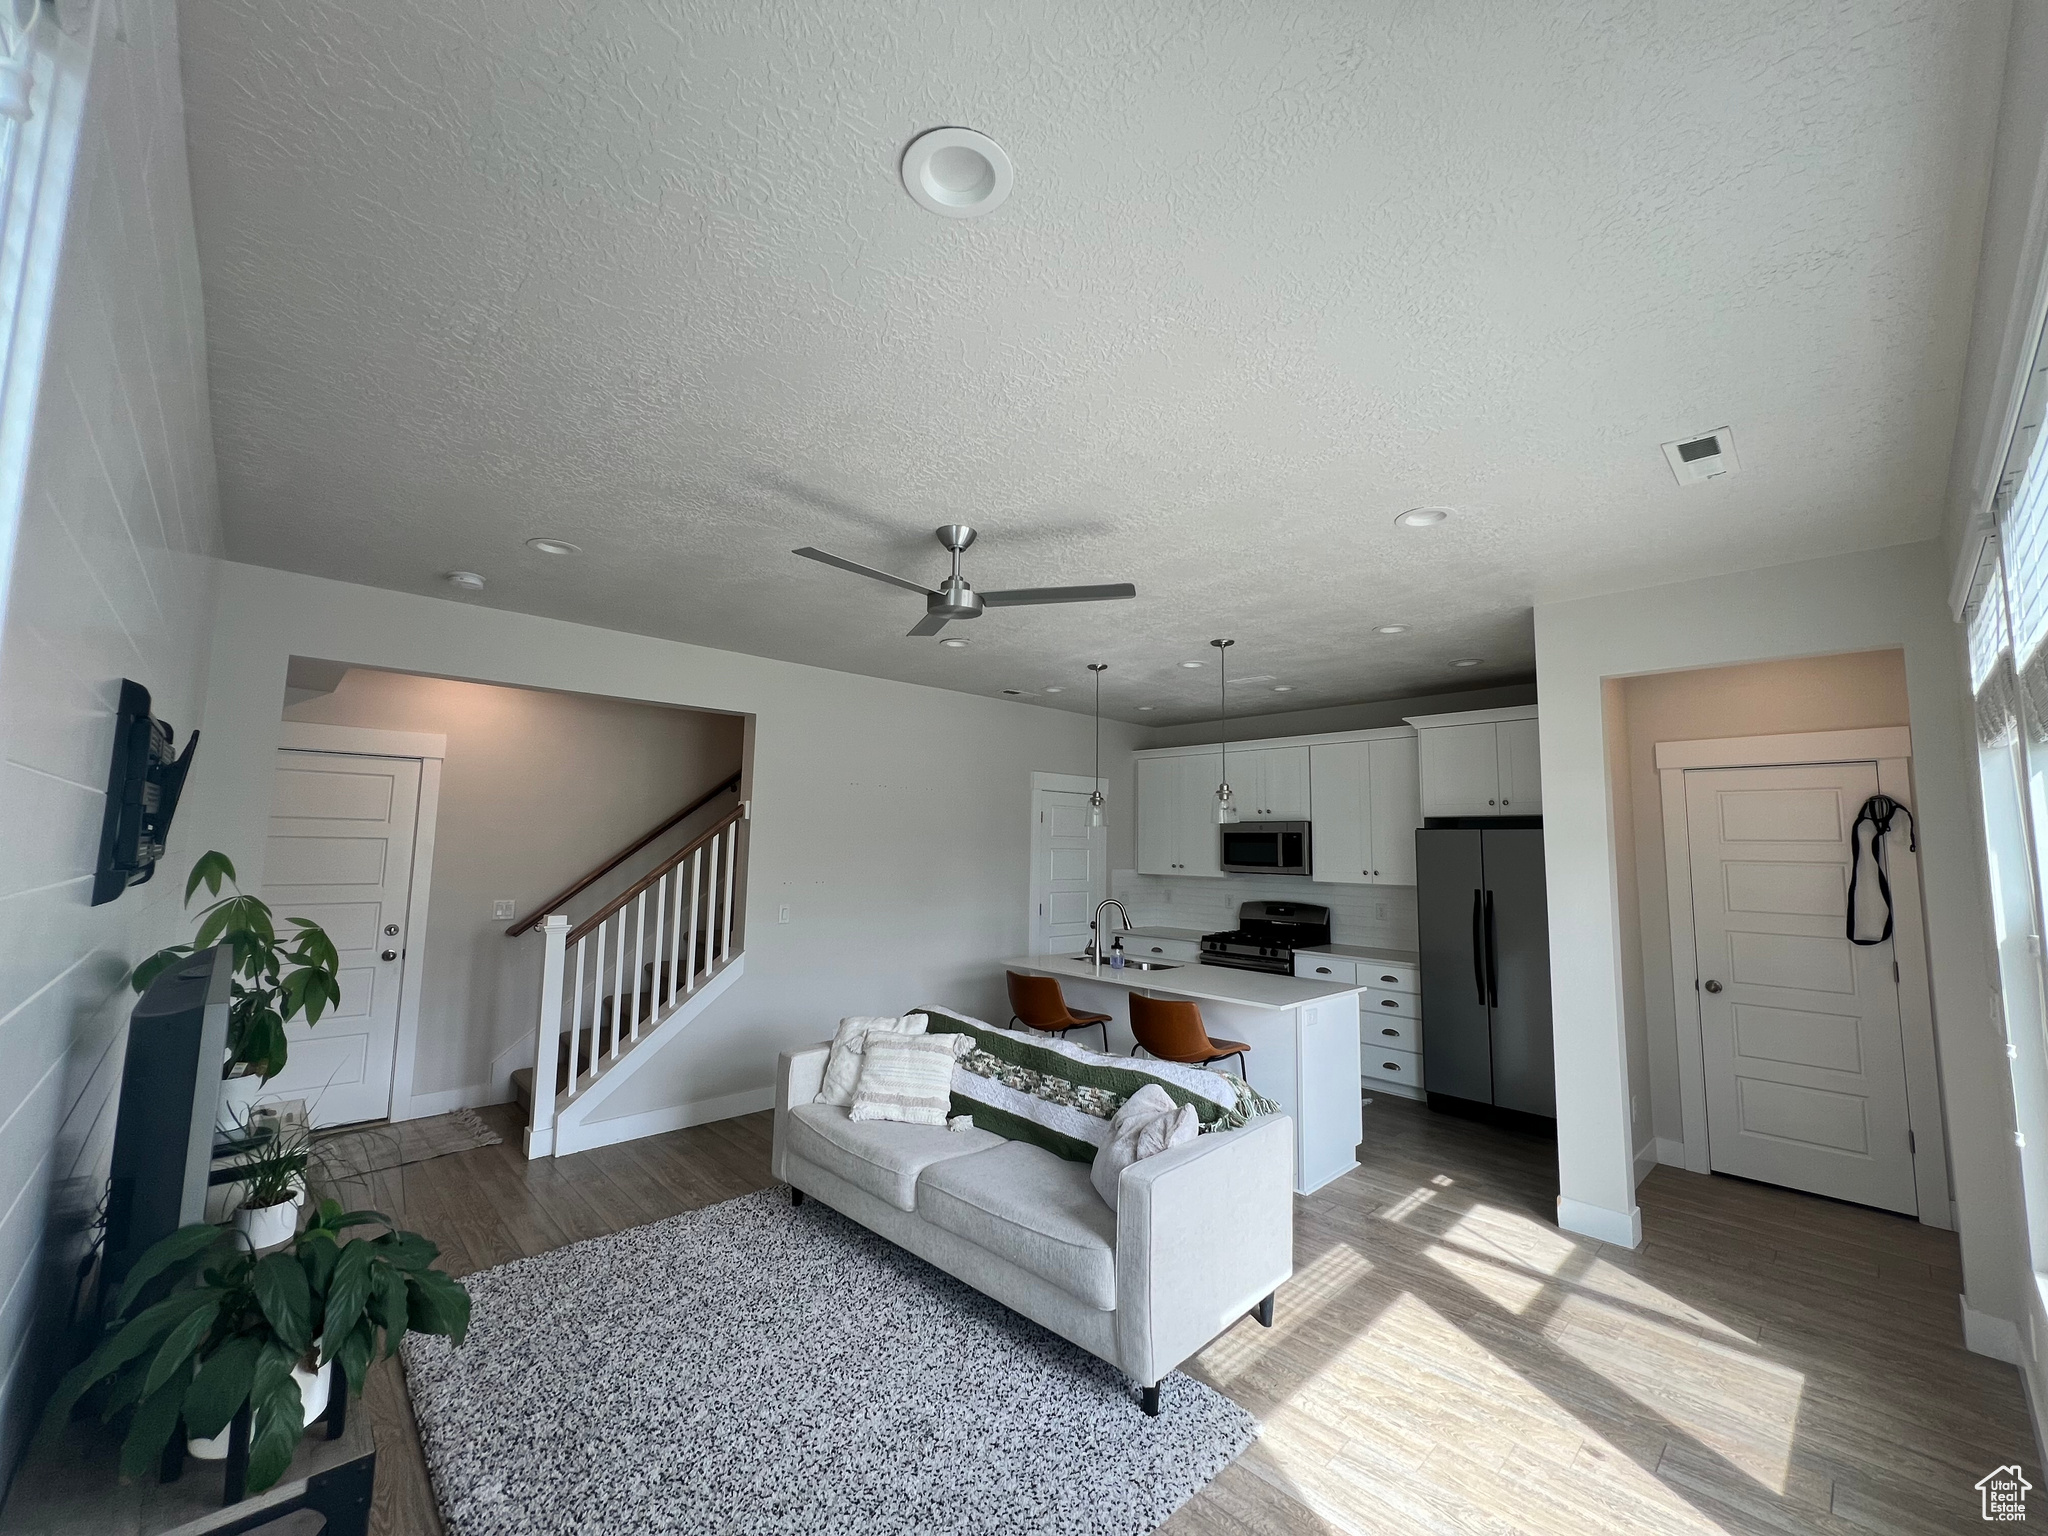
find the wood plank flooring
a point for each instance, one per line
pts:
(1445, 1359)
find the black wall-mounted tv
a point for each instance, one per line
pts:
(143, 785)
(170, 1099)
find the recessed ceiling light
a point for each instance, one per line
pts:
(469, 581)
(554, 546)
(1191, 665)
(1390, 629)
(1283, 687)
(1146, 709)
(1467, 661)
(1055, 689)
(1422, 517)
(956, 172)
(954, 645)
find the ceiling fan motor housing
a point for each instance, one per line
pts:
(956, 599)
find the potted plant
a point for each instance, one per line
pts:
(232, 1330)
(274, 982)
(273, 1180)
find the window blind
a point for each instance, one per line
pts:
(2024, 535)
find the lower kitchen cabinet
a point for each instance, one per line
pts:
(1389, 1018)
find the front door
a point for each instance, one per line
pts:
(1068, 855)
(340, 852)
(1805, 1065)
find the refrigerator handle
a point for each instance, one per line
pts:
(1492, 958)
(1478, 948)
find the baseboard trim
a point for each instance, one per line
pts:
(1987, 1334)
(447, 1100)
(1670, 1151)
(1622, 1228)
(605, 1133)
(1646, 1158)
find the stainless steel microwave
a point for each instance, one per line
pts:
(1265, 848)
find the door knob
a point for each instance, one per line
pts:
(1713, 986)
(391, 930)
(389, 954)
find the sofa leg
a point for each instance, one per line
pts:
(1265, 1312)
(796, 1197)
(1150, 1402)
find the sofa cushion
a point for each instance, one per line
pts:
(880, 1156)
(1038, 1211)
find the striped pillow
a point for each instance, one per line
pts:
(907, 1077)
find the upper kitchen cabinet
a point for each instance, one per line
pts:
(1271, 783)
(1481, 763)
(1367, 804)
(1177, 814)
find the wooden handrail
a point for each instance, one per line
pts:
(554, 902)
(618, 902)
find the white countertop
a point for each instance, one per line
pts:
(1204, 983)
(1360, 952)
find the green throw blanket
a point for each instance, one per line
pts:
(1060, 1097)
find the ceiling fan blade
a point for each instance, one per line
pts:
(1022, 597)
(859, 570)
(931, 624)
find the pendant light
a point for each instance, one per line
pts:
(1225, 811)
(1095, 797)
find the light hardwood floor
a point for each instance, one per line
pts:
(1445, 1359)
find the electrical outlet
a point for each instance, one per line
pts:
(782, 913)
(1379, 911)
(504, 911)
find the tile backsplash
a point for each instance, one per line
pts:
(1377, 916)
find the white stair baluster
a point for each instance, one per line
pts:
(696, 884)
(576, 1014)
(732, 849)
(639, 965)
(660, 933)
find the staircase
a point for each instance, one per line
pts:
(629, 978)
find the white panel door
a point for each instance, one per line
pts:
(1396, 796)
(1198, 848)
(1460, 770)
(1340, 837)
(339, 852)
(1159, 814)
(1805, 1065)
(1521, 768)
(1069, 856)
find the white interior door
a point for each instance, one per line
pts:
(1069, 860)
(1805, 1065)
(339, 852)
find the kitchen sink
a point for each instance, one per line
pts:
(1134, 965)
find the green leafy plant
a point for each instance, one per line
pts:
(232, 1327)
(276, 1170)
(274, 982)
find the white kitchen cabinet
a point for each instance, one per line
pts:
(1177, 815)
(1521, 768)
(1367, 804)
(1484, 763)
(1271, 783)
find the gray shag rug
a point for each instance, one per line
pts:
(754, 1367)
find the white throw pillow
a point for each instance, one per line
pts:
(1147, 1123)
(842, 1067)
(908, 1077)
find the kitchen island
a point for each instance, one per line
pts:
(1303, 1037)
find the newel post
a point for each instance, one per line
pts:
(540, 1126)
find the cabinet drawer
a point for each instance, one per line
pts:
(1389, 976)
(1181, 950)
(1389, 1032)
(1326, 968)
(1391, 1066)
(1377, 1001)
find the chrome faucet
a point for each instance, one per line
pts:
(1095, 928)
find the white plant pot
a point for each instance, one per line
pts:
(237, 1098)
(269, 1226)
(313, 1389)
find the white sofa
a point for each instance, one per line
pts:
(1202, 1235)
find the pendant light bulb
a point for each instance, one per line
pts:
(1096, 799)
(1225, 811)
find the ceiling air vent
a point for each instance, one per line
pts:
(1706, 457)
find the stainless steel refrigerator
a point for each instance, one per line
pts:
(1485, 939)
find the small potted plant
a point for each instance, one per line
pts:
(274, 982)
(203, 1330)
(273, 1180)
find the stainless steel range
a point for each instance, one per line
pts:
(1267, 935)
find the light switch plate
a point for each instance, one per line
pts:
(504, 911)
(782, 914)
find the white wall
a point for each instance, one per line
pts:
(1817, 693)
(894, 820)
(1642, 1138)
(537, 788)
(1376, 916)
(110, 577)
(1372, 716)
(1873, 600)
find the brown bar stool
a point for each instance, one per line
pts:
(1037, 1003)
(1172, 1030)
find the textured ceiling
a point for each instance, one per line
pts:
(641, 275)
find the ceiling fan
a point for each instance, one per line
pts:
(955, 597)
